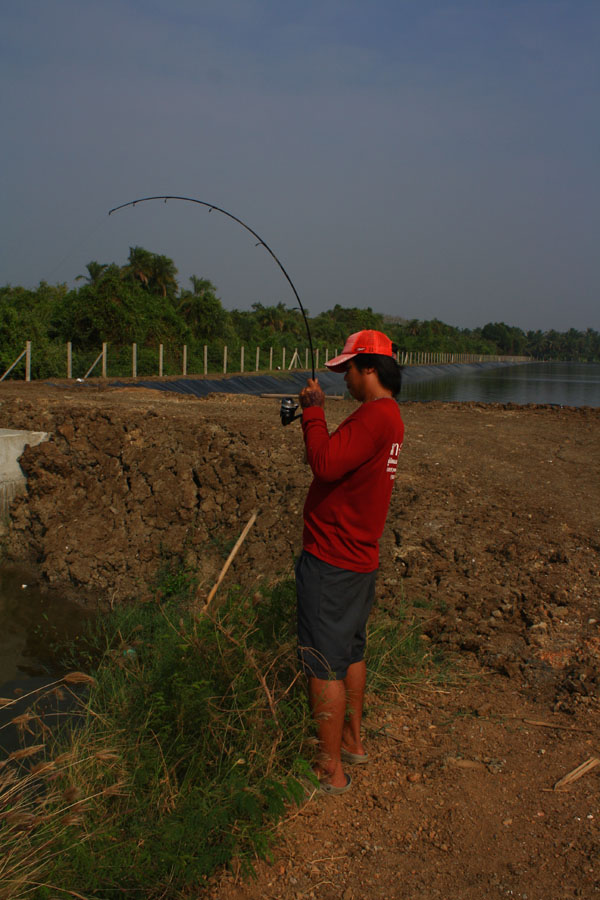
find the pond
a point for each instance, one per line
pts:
(563, 384)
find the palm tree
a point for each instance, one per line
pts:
(95, 272)
(140, 263)
(163, 275)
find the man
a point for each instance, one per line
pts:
(344, 515)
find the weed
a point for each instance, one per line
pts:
(396, 653)
(188, 749)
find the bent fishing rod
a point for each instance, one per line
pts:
(261, 243)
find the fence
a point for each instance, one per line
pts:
(277, 360)
(27, 354)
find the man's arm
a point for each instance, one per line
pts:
(330, 458)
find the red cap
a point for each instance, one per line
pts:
(361, 342)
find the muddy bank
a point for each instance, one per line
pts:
(129, 483)
(492, 538)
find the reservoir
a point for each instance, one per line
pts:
(563, 384)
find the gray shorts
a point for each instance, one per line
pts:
(333, 608)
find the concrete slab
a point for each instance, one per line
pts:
(12, 479)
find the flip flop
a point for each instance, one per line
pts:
(328, 788)
(355, 759)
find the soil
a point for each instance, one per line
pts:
(492, 547)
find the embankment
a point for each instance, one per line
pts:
(492, 536)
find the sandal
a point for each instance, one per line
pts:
(328, 788)
(355, 759)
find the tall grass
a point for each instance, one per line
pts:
(189, 749)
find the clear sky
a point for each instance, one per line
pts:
(426, 158)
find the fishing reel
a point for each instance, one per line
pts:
(287, 410)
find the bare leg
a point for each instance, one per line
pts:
(354, 683)
(328, 704)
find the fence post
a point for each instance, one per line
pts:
(316, 359)
(257, 357)
(27, 360)
(225, 360)
(326, 354)
(205, 359)
(184, 360)
(104, 345)
(242, 359)
(306, 358)
(270, 359)
(160, 360)
(69, 359)
(283, 360)
(134, 360)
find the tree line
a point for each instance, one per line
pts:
(142, 302)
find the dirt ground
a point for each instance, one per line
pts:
(492, 545)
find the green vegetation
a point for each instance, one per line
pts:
(142, 302)
(193, 735)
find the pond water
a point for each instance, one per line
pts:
(564, 384)
(35, 624)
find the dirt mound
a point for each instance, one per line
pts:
(120, 490)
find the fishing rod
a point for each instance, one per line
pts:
(285, 414)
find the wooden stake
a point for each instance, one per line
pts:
(230, 558)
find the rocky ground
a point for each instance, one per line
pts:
(492, 548)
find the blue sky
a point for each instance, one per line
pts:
(428, 159)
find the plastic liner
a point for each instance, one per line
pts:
(292, 382)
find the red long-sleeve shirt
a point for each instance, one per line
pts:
(354, 471)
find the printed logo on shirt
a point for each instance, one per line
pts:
(392, 463)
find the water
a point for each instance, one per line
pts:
(35, 623)
(564, 384)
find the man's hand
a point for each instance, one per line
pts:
(311, 395)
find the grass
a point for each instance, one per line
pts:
(186, 754)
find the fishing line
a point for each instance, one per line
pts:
(76, 247)
(261, 242)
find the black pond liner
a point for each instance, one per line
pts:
(291, 383)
